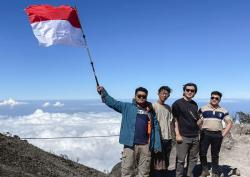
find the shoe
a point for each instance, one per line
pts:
(205, 173)
(215, 175)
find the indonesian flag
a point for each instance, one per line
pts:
(55, 25)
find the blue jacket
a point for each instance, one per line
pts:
(129, 113)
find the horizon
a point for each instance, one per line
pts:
(13, 108)
(121, 99)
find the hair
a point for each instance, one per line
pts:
(216, 93)
(190, 84)
(142, 89)
(167, 88)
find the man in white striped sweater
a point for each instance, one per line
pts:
(212, 132)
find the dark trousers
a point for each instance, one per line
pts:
(166, 150)
(160, 160)
(188, 148)
(213, 138)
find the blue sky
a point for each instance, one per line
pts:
(133, 43)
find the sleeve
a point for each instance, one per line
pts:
(154, 107)
(227, 116)
(157, 142)
(112, 103)
(200, 113)
(171, 116)
(175, 110)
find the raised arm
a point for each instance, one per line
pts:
(109, 101)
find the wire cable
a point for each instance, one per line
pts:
(65, 137)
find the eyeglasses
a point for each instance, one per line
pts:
(164, 94)
(190, 90)
(214, 98)
(141, 96)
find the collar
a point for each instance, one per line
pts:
(134, 102)
(186, 99)
(210, 106)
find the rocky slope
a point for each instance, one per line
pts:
(18, 158)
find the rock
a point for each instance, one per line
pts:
(116, 170)
(241, 129)
(228, 141)
(16, 137)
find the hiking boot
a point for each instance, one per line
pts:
(205, 173)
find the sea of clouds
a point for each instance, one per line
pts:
(99, 153)
(47, 119)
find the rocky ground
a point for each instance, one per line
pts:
(18, 158)
(236, 152)
(234, 156)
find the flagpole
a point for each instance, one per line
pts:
(87, 48)
(90, 59)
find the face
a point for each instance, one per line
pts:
(140, 97)
(214, 100)
(189, 92)
(163, 95)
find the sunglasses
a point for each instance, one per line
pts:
(141, 96)
(215, 98)
(190, 90)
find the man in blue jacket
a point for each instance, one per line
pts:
(139, 131)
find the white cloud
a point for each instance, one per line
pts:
(99, 153)
(11, 102)
(46, 104)
(58, 104)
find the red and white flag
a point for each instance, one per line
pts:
(55, 25)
